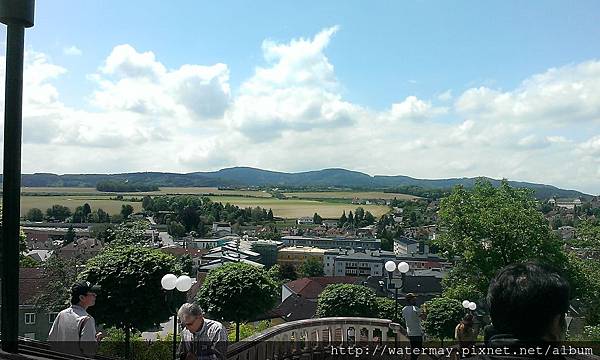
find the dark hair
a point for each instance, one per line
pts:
(75, 299)
(524, 298)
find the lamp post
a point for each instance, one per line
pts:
(171, 282)
(17, 15)
(403, 268)
(469, 305)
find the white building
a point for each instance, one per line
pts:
(405, 245)
(304, 221)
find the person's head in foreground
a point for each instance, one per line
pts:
(467, 320)
(191, 316)
(529, 302)
(411, 299)
(83, 293)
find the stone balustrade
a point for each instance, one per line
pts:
(311, 339)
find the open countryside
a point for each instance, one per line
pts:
(349, 195)
(43, 198)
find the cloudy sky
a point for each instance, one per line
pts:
(428, 89)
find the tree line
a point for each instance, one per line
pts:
(115, 186)
(186, 213)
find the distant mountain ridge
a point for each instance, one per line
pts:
(252, 177)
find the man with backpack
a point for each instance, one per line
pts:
(74, 330)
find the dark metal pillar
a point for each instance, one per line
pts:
(17, 15)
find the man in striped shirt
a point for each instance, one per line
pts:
(202, 339)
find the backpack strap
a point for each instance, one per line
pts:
(81, 326)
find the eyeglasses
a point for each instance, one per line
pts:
(189, 323)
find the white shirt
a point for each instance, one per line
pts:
(411, 315)
(73, 332)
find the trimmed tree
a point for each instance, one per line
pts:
(61, 274)
(443, 314)
(347, 300)
(237, 292)
(132, 296)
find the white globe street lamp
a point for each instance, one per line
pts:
(466, 303)
(472, 306)
(403, 268)
(170, 282)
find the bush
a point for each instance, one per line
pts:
(347, 300)
(443, 314)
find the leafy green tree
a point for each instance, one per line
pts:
(247, 330)
(350, 218)
(126, 210)
(70, 235)
(34, 214)
(347, 300)
(311, 267)
(237, 292)
(187, 264)
(317, 219)
(102, 216)
(147, 203)
(587, 235)
(27, 262)
(343, 219)
(58, 212)
(130, 233)
(61, 274)
(288, 272)
(270, 215)
(387, 309)
(443, 314)
(490, 228)
(132, 297)
(176, 229)
(78, 215)
(87, 210)
(369, 219)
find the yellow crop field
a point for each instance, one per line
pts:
(96, 202)
(303, 205)
(295, 208)
(349, 195)
(162, 191)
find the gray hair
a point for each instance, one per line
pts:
(189, 309)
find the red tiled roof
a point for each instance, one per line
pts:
(31, 284)
(177, 251)
(311, 288)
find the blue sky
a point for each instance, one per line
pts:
(385, 50)
(399, 78)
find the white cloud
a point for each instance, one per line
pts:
(72, 51)
(557, 97)
(415, 109)
(137, 82)
(291, 115)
